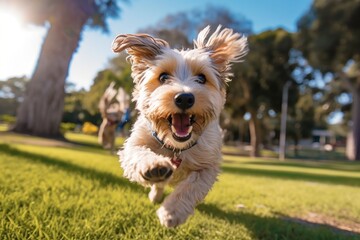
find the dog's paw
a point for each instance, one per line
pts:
(171, 218)
(157, 172)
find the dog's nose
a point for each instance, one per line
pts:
(184, 100)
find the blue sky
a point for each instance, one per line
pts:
(94, 52)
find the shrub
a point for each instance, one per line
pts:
(7, 119)
(66, 127)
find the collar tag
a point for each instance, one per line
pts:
(176, 161)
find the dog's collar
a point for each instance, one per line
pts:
(173, 149)
(110, 122)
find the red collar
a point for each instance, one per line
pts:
(110, 122)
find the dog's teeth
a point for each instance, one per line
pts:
(173, 129)
(190, 129)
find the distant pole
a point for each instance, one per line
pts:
(284, 107)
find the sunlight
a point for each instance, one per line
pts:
(10, 20)
(11, 27)
(19, 44)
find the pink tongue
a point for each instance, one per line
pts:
(181, 123)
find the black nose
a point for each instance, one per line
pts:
(184, 100)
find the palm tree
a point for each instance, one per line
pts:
(41, 111)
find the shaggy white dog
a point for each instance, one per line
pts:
(179, 94)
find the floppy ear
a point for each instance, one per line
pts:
(224, 46)
(142, 48)
(139, 45)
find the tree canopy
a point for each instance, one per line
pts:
(329, 37)
(11, 94)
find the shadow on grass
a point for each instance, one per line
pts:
(306, 154)
(302, 176)
(337, 166)
(104, 178)
(276, 228)
(85, 146)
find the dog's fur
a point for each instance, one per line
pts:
(170, 143)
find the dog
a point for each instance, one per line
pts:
(179, 95)
(113, 105)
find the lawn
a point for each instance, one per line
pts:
(75, 190)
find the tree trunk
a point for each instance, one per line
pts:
(41, 111)
(353, 140)
(254, 135)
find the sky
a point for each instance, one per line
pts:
(20, 43)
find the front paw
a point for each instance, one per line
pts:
(171, 217)
(156, 172)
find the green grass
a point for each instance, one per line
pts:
(3, 127)
(77, 191)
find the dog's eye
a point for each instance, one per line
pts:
(201, 79)
(163, 77)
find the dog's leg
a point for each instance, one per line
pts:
(156, 193)
(142, 165)
(180, 204)
(101, 131)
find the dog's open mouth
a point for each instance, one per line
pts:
(181, 126)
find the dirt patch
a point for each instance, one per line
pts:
(315, 219)
(9, 137)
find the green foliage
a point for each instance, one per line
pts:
(11, 93)
(329, 34)
(9, 119)
(181, 28)
(67, 127)
(258, 82)
(81, 194)
(260, 78)
(74, 109)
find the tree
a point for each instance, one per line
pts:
(41, 111)
(258, 82)
(329, 37)
(74, 111)
(181, 28)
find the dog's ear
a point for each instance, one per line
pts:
(139, 45)
(224, 46)
(141, 48)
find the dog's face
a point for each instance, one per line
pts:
(180, 92)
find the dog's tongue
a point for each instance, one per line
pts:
(181, 123)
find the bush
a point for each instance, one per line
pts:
(7, 119)
(66, 127)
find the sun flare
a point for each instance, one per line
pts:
(11, 24)
(11, 28)
(20, 43)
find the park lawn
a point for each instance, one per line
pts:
(74, 191)
(3, 127)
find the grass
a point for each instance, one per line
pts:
(3, 127)
(76, 191)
